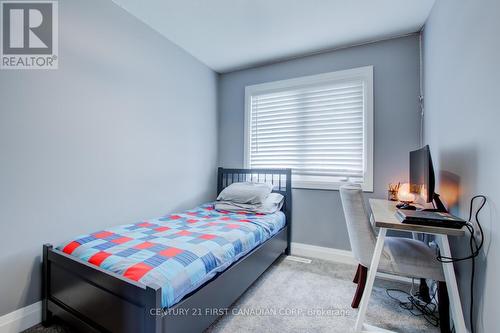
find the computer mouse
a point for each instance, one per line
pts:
(406, 206)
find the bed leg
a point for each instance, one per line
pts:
(288, 250)
(46, 314)
(153, 310)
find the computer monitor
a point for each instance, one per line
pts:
(422, 174)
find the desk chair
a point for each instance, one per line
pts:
(401, 256)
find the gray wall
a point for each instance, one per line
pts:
(318, 218)
(461, 71)
(125, 129)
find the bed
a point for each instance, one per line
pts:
(176, 273)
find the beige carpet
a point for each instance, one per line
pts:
(316, 297)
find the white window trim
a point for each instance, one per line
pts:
(363, 73)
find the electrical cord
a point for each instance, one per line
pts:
(416, 306)
(475, 249)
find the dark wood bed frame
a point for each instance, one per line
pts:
(91, 299)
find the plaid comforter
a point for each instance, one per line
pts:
(178, 252)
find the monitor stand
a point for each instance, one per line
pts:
(423, 288)
(438, 204)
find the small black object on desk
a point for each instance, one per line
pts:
(406, 205)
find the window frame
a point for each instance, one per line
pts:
(366, 75)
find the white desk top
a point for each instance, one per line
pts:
(384, 216)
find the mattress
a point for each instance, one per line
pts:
(178, 252)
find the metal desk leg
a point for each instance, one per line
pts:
(370, 279)
(451, 285)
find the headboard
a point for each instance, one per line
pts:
(280, 178)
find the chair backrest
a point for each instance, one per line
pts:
(360, 230)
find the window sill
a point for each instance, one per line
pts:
(329, 186)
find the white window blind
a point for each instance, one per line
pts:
(315, 125)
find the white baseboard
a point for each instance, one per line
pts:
(21, 319)
(390, 277)
(325, 253)
(336, 255)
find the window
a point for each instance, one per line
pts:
(321, 126)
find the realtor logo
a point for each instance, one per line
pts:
(29, 36)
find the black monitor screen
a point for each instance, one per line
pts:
(422, 173)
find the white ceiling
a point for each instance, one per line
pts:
(231, 34)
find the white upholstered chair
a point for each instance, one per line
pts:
(401, 256)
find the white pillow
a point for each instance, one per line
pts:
(271, 204)
(246, 193)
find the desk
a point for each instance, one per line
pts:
(383, 215)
